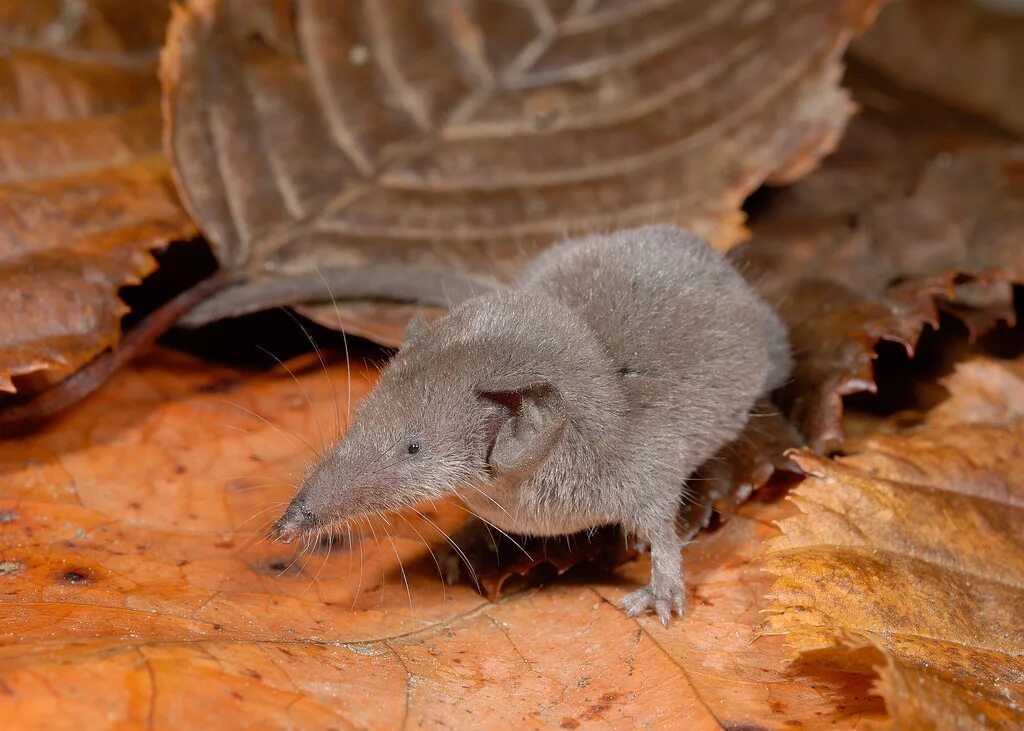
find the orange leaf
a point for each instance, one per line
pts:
(135, 590)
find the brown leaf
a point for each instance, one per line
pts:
(934, 602)
(919, 233)
(84, 189)
(982, 53)
(136, 591)
(398, 150)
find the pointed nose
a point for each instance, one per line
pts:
(297, 519)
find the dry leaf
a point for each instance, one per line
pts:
(885, 236)
(409, 150)
(84, 190)
(908, 559)
(979, 68)
(130, 594)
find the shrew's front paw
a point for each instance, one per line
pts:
(662, 600)
(471, 547)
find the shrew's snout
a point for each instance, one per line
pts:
(297, 519)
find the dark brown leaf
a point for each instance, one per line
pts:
(920, 233)
(85, 193)
(754, 458)
(503, 562)
(312, 138)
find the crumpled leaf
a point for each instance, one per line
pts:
(135, 590)
(908, 559)
(85, 193)
(904, 222)
(415, 151)
(982, 53)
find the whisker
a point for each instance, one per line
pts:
(348, 530)
(440, 573)
(490, 525)
(388, 466)
(327, 555)
(243, 490)
(344, 340)
(376, 543)
(272, 425)
(454, 545)
(271, 506)
(496, 503)
(309, 402)
(298, 554)
(323, 364)
(247, 476)
(363, 468)
(362, 557)
(250, 433)
(401, 566)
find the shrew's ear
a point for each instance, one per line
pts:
(416, 326)
(529, 418)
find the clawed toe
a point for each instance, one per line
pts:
(451, 568)
(640, 601)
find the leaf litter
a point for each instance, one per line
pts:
(985, 38)
(919, 213)
(143, 577)
(293, 151)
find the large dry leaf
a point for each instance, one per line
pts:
(979, 68)
(909, 558)
(131, 596)
(84, 188)
(919, 212)
(328, 141)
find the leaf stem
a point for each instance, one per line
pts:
(25, 415)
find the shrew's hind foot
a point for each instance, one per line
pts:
(663, 601)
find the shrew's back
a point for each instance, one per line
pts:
(673, 314)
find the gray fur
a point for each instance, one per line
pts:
(584, 396)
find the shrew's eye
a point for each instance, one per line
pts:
(414, 447)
